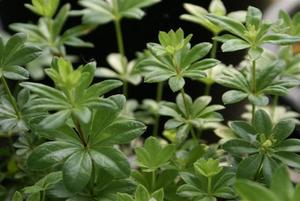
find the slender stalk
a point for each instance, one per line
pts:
(153, 180)
(209, 185)
(121, 48)
(207, 89)
(274, 105)
(11, 99)
(253, 87)
(159, 94)
(43, 195)
(213, 55)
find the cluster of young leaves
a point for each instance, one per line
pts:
(188, 115)
(252, 191)
(208, 182)
(142, 194)
(74, 96)
(250, 36)
(104, 11)
(49, 33)
(268, 82)
(265, 145)
(197, 14)
(174, 59)
(156, 172)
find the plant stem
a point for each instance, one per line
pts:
(253, 87)
(159, 94)
(207, 89)
(274, 105)
(209, 185)
(213, 55)
(43, 195)
(121, 48)
(12, 100)
(153, 180)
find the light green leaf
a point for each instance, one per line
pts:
(233, 96)
(176, 83)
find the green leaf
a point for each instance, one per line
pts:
(188, 190)
(217, 7)
(283, 129)
(55, 120)
(43, 8)
(207, 168)
(242, 129)
(248, 168)
(258, 100)
(17, 196)
(263, 123)
(253, 18)
(289, 145)
(288, 158)
(158, 195)
(50, 153)
(124, 197)
(120, 132)
(14, 54)
(228, 24)
(251, 191)
(239, 146)
(234, 45)
(197, 52)
(152, 156)
(176, 83)
(77, 171)
(281, 178)
(141, 194)
(233, 96)
(112, 160)
(281, 39)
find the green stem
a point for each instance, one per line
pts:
(274, 105)
(153, 180)
(43, 195)
(121, 48)
(253, 87)
(207, 89)
(159, 94)
(10, 97)
(209, 185)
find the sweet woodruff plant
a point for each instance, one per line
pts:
(75, 139)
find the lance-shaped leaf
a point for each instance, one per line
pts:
(14, 53)
(104, 11)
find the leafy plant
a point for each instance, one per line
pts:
(266, 145)
(77, 140)
(209, 182)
